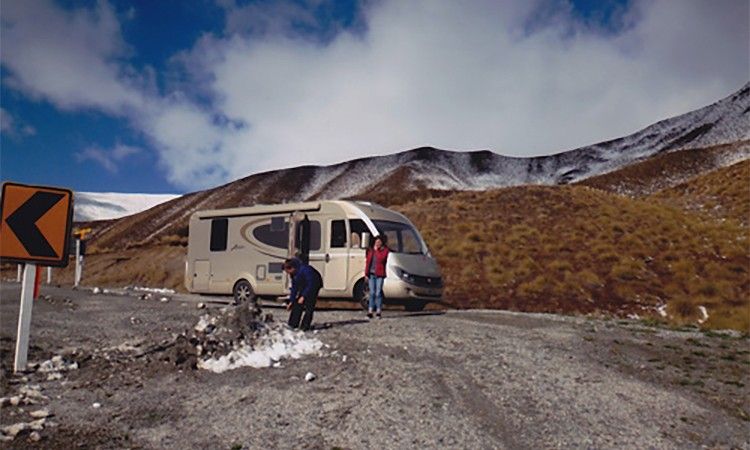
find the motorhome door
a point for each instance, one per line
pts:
(336, 256)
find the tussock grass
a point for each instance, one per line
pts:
(723, 194)
(574, 249)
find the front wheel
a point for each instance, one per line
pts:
(362, 293)
(243, 291)
(415, 306)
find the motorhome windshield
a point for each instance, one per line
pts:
(402, 238)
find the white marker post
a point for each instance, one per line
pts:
(24, 317)
(18, 275)
(49, 275)
(79, 263)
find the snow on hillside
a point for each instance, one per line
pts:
(90, 206)
(725, 121)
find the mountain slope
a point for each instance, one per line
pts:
(576, 249)
(404, 176)
(723, 194)
(112, 205)
(666, 170)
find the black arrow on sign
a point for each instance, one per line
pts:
(23, 223)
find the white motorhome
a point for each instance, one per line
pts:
(240, 251)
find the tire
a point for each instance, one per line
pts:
(415, 306)
(362, 294)
(242, 292)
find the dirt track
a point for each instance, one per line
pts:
(438, 379)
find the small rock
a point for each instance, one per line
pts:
(13, 430)
(15, 400)
(35, 436)
(96, 405)
(164, 299)
(96, 290)
(40, 413)
(201, 305)
(344, 358)
(309, 376)
(37, 425)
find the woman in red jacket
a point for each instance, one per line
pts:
(375, 261)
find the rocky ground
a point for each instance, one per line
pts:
(112, 370)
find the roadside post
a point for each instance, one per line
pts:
(49, 275)
(37, 282)
(20, 272)
(77, 280)
(35, 223)
(80, 235)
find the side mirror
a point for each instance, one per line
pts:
(365, 241)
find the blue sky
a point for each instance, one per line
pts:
(175, 96)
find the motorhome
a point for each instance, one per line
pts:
(240, 251)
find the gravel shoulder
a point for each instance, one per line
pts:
(459, 379)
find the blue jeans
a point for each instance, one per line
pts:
(376, 292)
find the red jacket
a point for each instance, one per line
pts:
(381, 258)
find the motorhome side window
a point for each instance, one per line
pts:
(314, 235)
(338, 234)
(357, 227)
(275, 234)
(219, 229)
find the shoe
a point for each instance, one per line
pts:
(379, 316)
(369, 315)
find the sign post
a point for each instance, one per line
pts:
(24, 318)
(35, 223)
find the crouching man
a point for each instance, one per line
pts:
(306, 283)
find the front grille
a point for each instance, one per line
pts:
(428, 282)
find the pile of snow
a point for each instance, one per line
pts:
(240, 336)
(113, 205)
(277, 343)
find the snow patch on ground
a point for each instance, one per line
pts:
(280, 343)
(153, 290)
(704, 314)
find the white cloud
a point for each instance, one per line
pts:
(109, 159)
(458, 75)
(14, 128)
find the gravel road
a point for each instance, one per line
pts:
(438, 379)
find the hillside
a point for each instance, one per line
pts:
(576, 249)
(723, 194)
(428, 172)
(91, 206)
(667, 170)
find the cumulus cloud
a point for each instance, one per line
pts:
(520, 78)
(108, 159)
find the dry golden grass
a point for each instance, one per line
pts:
(574, 249)
(156, 266)
(722, 194)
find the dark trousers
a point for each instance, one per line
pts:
(308, 307)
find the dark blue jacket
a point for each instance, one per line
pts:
(306, 283)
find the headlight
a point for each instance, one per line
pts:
(404, 275)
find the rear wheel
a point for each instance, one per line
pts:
(243, 291)
(362, 293)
